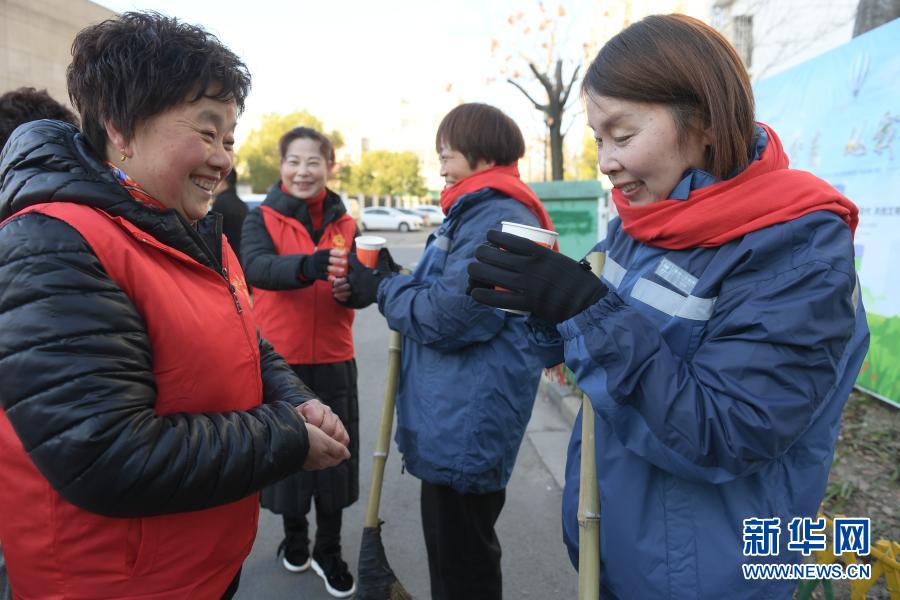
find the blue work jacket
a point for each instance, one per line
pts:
(718, 377)
(469, 373)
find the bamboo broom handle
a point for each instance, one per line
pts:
(588, 496)
(383, 444)
(588, 510)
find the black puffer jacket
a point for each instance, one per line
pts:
(79, 389)
(264, 267)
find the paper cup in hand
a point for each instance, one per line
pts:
(367, 248)
(544, 237)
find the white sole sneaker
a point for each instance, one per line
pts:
(328, 588)
(296, 568)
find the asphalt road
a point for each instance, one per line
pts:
(535, 564)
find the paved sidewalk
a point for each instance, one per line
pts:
(555, 409)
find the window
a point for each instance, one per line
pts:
(743, 38)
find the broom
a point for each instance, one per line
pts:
(376, 578)
(588, 510)
(588, 496)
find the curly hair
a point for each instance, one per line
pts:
(28, 104)
(127, 69)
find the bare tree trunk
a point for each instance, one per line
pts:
(872, 13)
(556, 150)
(557, 95)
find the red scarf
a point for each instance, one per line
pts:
(765, 193)
(315, 204)
(505, 180)
(133, 188)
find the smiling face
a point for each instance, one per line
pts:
(179, 156)
(455, 167)
(640, 148)
(304, 170)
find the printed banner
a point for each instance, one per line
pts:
(838, 116)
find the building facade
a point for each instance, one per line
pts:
(36, 41)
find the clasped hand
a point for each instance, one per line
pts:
(548, 284)
(328, 439)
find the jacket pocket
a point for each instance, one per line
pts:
(139, 547)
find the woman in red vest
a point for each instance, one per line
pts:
(294, 251)
(140, 411)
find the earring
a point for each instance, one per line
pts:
(123, 158)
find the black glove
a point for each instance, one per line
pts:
(538, 280)
(364, 281)
(314, 266)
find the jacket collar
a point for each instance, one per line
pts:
(295, 208)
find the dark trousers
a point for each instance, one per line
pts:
(328, 532)
(463, 549)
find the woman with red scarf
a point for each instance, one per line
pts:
(469, 375)
(294, 250)
(721, 340)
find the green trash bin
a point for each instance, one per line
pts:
(578, 210)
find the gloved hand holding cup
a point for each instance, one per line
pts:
(544, 237)
(367, 249)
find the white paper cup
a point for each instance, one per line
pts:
(544, 237)
(367, 248)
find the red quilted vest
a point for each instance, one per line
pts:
(205, 359)
(306, 326)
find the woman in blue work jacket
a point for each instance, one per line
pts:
(722, 338)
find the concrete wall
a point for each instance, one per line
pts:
(36, 40)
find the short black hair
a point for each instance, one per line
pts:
(481, 132)
(326, 148)
(28, 104)
(127, 69)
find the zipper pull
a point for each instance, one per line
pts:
(233, 290)
(237, 303)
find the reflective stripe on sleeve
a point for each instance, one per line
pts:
(672, 303)
(613, 272)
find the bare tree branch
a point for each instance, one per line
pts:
(565, 97)
(558, 79)
(540, 107)
(542, 78)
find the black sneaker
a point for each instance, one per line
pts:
(295, 560)
(333, 571)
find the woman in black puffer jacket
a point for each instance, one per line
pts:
(139, 410)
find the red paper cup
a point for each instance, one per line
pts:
(544, 237)
(367, 248)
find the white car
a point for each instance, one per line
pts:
(434, 213)
(253, 200)
(382, 217)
